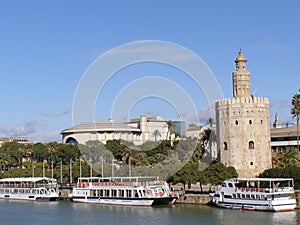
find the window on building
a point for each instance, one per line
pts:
(236, 122)
(251, 145)
(250, 121)
(225, 146)
(251, 163)
(261, 122)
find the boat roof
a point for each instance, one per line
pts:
(259, 179)
(120, 178)
(264, 179)
(26, 179)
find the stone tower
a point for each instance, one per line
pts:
(243, 126)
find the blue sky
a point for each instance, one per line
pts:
(46, 47)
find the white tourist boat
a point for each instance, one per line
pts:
(266, 194)
(137, 191)
(29, 188)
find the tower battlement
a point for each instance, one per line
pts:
(238, 101)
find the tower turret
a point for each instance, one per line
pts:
(241, 78)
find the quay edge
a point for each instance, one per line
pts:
(201, 199)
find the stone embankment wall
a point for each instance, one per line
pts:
(202, 199)
(65, 194)
(297, 196)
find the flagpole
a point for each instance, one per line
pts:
(70, 172)
(102, 167)
(52, 169)
(129, 165)
(43, 168)
(61, 171)
(33, 168)
(112, 167)
(91, 168)
(79, 166)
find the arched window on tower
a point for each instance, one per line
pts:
(251, 145)
(225, 146)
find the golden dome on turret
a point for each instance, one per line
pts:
(240, 57)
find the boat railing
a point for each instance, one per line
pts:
(264, 190)
(120, 184)
(27, 185)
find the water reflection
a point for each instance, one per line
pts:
(35, 213)
(228, 216)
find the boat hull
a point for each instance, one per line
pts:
(256, 206)
(114, 201)
(29, 197)
(164, 200)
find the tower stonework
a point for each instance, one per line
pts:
(243, 126)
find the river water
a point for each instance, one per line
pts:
(66, 212)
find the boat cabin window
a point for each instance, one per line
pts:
(230, 184)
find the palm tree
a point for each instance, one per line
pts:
(211, 122)
(295, 111)
(156, 133)
(169, 125)
(287, 158)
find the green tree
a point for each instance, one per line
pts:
(116, 147)
(188, 174)
(216, 173)
(295, 111)
(289, 172)
(287, 158)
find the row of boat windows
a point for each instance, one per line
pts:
(115, 193)
(257, 196)
(250, 196)
(22, 191)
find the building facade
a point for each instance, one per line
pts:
(243, 126)
(20, 140)
(137, 131)
(195, 132)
